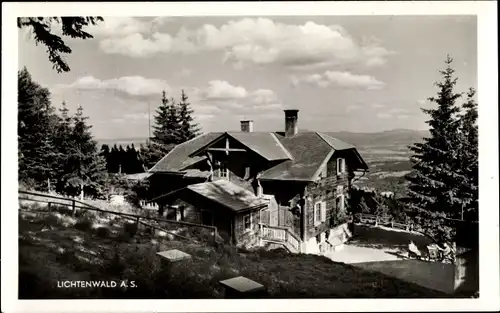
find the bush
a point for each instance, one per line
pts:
(103, 232)
(84, 223)
(130, 229)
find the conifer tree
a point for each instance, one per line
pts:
(469, 163)
(435, 179)
(188, 129)
(36, 126)
(106, 154)
(88, 168)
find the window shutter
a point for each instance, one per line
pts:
(315, 214)
(323, 211)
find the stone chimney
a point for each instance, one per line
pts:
(291, 120)
(247, 126)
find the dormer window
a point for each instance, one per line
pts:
(340, 166)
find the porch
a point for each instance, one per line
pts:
(280, 235)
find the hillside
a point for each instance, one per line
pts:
(394, 137)
(53, 248)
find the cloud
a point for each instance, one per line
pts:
(245, 41)
(221, 98)
(222, 90)
(338, 79)
(132, 85)
(384, 115)
(403, 117)
(377, 105)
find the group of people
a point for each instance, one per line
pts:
(444, 251)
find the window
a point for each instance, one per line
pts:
(223, 171)
(340, 166)
(247, 172)
(247, 221)
(319, 212)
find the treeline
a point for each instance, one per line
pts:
(57, 152)
(173, 124)
(123, 160)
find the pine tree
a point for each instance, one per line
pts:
(188, 129)
(166, 131)
(114, 160)
(87, 168)
(63, 144)
(106, 154)
(36, 128)
(435, 179)
(469, 164)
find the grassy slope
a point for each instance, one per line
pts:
(61, 252)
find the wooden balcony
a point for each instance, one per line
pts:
(280, 235)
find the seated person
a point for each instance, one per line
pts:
(413, 249)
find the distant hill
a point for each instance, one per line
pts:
(385, 138)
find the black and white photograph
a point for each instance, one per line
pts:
(174, 156)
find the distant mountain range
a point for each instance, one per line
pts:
(385, 138)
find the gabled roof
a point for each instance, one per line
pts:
(264, 144)
(302, 156)
(308, 151)
(178, 159)
(224, 193)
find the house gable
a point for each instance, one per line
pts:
(263, 144)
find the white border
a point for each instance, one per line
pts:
(488, 145)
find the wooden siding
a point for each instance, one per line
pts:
(287, 195)
(325, 189)
(199, 210)
(243, 236)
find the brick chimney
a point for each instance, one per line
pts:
(247, 126)
(291, 120)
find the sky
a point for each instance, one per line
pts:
(343, 73)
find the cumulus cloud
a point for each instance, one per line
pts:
(132, 85)
(221, 98)
(222, 90)
(377, 105)
(338, 79)
(246, 41)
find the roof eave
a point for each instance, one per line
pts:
(304, 180)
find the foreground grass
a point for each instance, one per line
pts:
(52, 250)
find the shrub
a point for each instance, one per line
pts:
(130, 229)
(84, 223)
(103, 232)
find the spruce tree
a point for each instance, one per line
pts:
(469, 163)
(36, 128)
(188, 129)
(114, 160)
(106, 154)
(166, 131)
(87, 168)
(435, 179)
